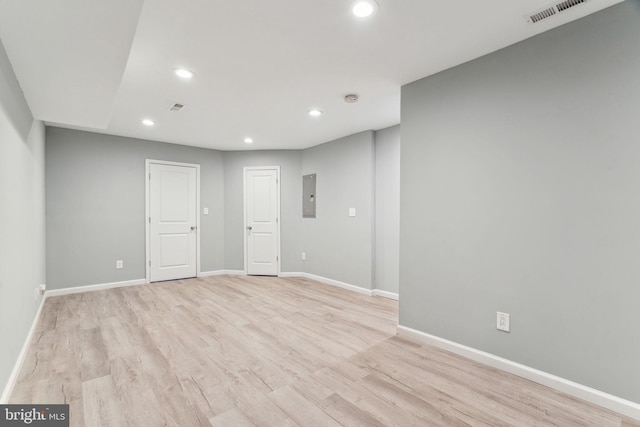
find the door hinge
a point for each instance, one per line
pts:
(276, 220)
(149, 220)
(149, 263)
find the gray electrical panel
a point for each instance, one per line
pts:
(309, 196)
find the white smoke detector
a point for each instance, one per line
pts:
(350, 99)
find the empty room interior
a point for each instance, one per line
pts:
(297, 213)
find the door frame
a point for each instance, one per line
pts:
(244, 214)
(147, 212)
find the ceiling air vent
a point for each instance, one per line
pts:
(568, 4)
(176, 107)
(543, 14)
(552, 10)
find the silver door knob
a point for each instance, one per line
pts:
(194, 228)
(249, 228)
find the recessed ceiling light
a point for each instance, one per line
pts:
(148, 122)
(364, 8)
(315, 113)
(248, 140)
(184, 73)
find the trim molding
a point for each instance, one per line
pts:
(292, 274)
(13, 378)
(89, 288)
(147, 210)
(591, 395)
(246, 169)
(221, 273)
(354, 288)
(331, 282)
(385, 294)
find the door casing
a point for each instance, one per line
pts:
(147, 205)
(245, 224)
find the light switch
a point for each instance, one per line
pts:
(352, 211)
(206, 211)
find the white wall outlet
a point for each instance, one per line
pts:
(119, 264)
(502, 321)
(352, 211)
(304, 256)
(206, 211)
(42, 289)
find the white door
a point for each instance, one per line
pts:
(262, 230)
(173, 222)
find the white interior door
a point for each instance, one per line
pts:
(173, 221)
(262, 230)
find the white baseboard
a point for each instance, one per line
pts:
(329, 282)
(369, 292)
(13, 378)
(102, 286)
(221, 273)
(89, 288)
(292, 274)
(614, 403)
(385, 294)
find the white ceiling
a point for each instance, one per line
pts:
(104, 65)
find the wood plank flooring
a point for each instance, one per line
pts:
(256, 351)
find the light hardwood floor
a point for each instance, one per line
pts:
(255, 351)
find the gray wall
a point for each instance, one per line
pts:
(520, 192)
(22, 235)
(95, 188)
(290, 204)
(387, 214)
(337, 246)
(95, 194)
